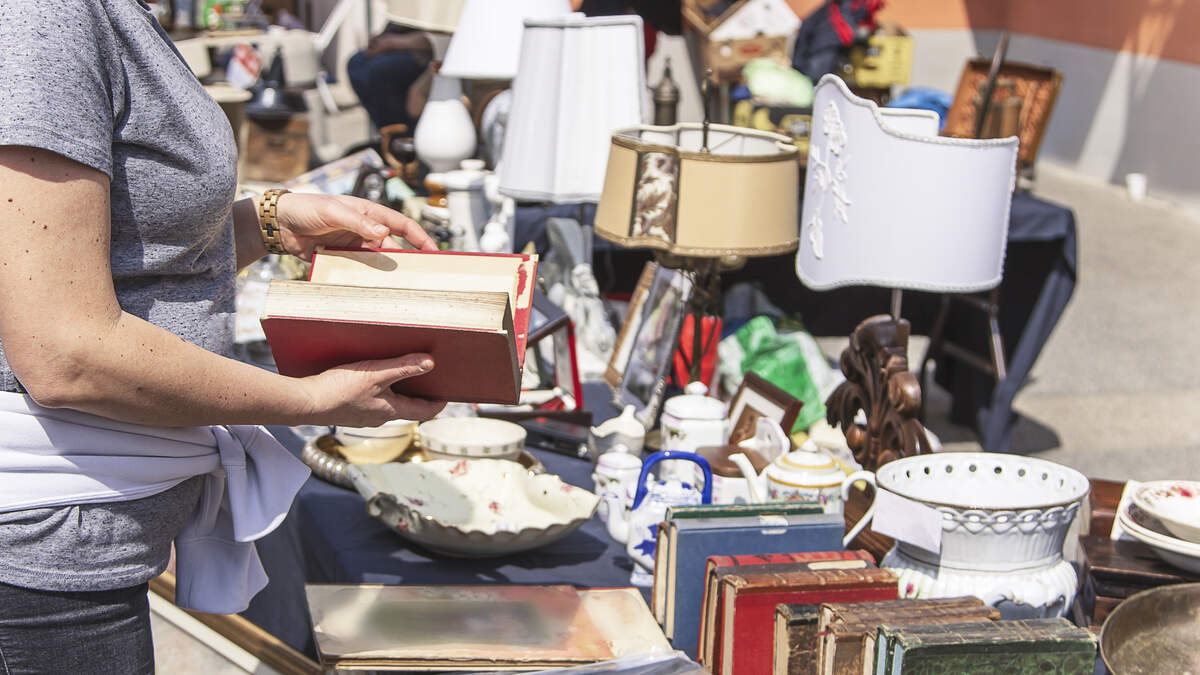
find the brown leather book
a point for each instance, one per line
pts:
(846, 632)
(833, 613)
(748, 603)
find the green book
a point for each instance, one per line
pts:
(886, 632)
(742, 510)
(1033, 646)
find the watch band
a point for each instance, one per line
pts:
(268, 221)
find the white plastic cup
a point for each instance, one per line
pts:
(1135, 183)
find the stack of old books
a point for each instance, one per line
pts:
(946, 635)
(839, 637)
(691, 534)
(742, 592)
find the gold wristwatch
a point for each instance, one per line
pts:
(268, 205)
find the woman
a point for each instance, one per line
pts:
(121, 242)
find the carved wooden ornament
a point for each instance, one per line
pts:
(879, 383)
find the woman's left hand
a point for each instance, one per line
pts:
(307, 221)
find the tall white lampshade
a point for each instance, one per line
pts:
(579, 79)
(888, 202)
(487, 43)
(439, 16)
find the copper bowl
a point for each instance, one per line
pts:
(1154, 632)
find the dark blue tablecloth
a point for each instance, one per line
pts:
(328, 537)
(1040, 271)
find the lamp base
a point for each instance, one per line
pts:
(879, 383)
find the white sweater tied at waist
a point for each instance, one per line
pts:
(58, 457)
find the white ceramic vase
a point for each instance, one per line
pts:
(445, 134)
(1004, 521)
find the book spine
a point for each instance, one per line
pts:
(664, 573)
(840, 651)
(795, 639)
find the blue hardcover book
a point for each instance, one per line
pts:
(683, 548)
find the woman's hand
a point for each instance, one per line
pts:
(360, 394)
(307, 221)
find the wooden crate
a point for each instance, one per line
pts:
(728, 57)
(276, 151)
(1037, 87)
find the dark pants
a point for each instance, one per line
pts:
(382, 83)
(101, 632)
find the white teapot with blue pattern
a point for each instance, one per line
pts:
(638, 527)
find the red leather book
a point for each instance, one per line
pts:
(749, 601)
(470, 312)
(719, 566)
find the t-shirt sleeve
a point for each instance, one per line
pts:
(56, 60)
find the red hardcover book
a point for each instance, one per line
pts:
(749, 601)
(469, 311)
(719, 566)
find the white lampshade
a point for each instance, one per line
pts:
(888, 202)
(487, 43)
(579, 79)
(439, 16)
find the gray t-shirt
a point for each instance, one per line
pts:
(98, 81)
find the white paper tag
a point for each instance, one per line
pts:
(778, 524)
(908, 521)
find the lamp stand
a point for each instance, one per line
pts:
(879, 383)
(705, 300)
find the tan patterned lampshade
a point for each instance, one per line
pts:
(662, 191)
(438, 16)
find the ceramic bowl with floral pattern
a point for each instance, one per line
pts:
(1175, 503)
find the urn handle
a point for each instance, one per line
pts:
(869, 477)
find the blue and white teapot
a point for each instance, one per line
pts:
(639, 527)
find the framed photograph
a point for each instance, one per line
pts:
(556, 357)
(653, 343)
(633, 319)
(756, 398)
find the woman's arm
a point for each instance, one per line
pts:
(71, 345)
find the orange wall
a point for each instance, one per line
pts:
(1160, 28)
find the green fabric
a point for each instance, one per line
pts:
(778, 83)
(780, 360)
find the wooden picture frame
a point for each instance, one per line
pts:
(653, 342)
(548, 320)
(633, 318)
(755, 398)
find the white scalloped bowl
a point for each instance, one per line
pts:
(476, 508)
(1152, 532)
(999, 511)
(1176, 503)
(471, 437)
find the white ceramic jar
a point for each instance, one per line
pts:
(689, 422)
(1004, 521)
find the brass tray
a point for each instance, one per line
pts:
(323, 456)
(1154, 632)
